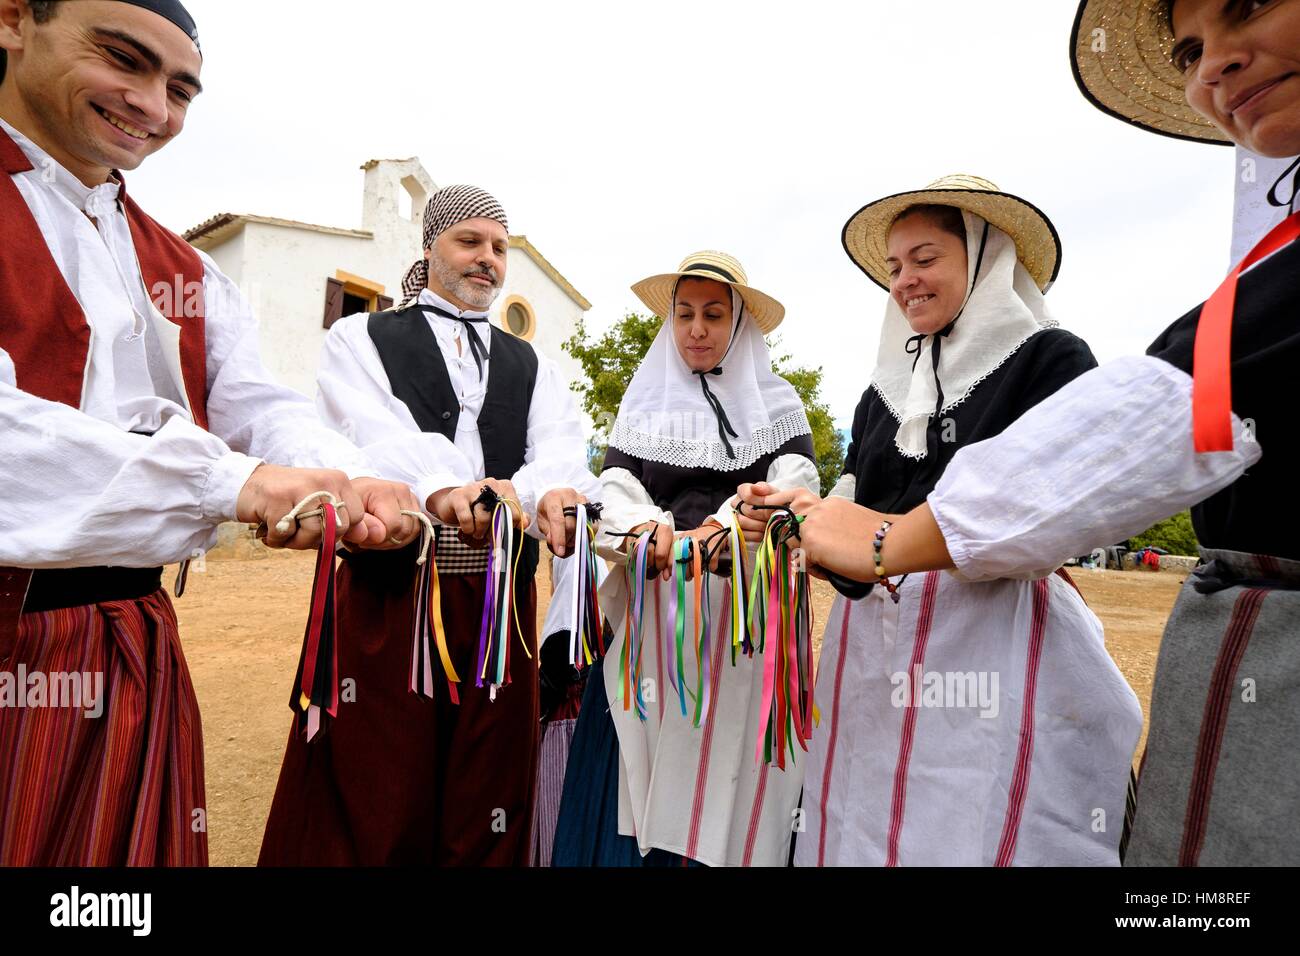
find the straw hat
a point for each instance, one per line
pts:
(1038, 247)
(657, 291)
(1119, 50)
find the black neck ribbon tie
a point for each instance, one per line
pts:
(1275, 197)
(724, 424)
(475, 346)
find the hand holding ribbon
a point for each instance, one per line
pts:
(465, 507)
(499, 604)
(659, 559)
(315, 694)
(556, 518)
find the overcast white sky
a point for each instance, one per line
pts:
(621, 137)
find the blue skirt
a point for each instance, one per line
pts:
(587, 831)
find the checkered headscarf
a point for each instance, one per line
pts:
(448, 206)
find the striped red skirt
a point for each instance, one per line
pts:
(104, 768)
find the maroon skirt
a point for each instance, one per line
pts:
(102, 766)
(399, 780)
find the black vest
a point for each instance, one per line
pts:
(418, 375)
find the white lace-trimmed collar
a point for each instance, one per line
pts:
(1003, 308)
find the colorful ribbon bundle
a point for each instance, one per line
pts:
(499, 606)
(736, 595)
(773, 615)
(629, 659)
(699, 557)
(586, 627)
(675, 656)
(429, 631)
(780, 615)
(315, 694)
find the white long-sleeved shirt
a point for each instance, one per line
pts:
(81, 489)
(355, 396)
(1101, 460)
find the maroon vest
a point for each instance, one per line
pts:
(45, 332)
(42, 326)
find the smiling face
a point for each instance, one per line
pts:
(1241, 60)
(702, 322)
(99, 86)
(467, 263)
(927, 270)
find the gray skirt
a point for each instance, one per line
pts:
(1219, 784)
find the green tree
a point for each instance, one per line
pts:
(610, 359)
(1174, 534)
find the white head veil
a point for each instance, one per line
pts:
(1003, 308)
(666, 415)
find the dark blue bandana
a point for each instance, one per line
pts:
(174, 11)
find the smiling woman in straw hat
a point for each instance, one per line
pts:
(704, 415)
(1142, 438)
(966, 347)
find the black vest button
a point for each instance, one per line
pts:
(446, 415)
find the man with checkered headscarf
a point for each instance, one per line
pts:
(444, 400)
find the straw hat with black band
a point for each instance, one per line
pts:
(1013, 254)
(1120, 52)
(1038, 246)
(657, 291)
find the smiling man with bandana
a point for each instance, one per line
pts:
(137, 416)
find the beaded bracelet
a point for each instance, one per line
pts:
(877, 543)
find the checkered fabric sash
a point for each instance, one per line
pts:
(455, 557)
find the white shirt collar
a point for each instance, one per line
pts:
(429, 298)
(95, 201)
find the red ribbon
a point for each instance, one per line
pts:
(1212, 352)
(316, 687)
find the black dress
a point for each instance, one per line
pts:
(1251, 514)
(692, 494)
(889, 481)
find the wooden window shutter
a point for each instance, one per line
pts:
(333, 302)
(383, 303)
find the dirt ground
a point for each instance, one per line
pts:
(242, 624)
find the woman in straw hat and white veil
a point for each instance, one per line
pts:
(963, 723)
(1143, 437)
(703, 415)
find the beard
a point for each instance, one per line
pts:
(459, 285)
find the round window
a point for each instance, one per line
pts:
(517, 319)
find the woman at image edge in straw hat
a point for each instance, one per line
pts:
(703, 415)
(905, 770)
(1144, 437)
